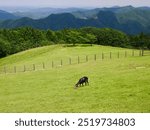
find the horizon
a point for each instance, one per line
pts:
(12, 9)
(73, 3)
(36, 7)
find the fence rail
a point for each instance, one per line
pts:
(73, 60)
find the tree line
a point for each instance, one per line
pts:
(20, 39)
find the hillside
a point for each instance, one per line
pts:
(52, 89)
(92, 13)
(5, 15)
(54, 52)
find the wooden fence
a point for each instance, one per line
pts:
(73, 60)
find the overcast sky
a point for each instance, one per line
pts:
(74, 3)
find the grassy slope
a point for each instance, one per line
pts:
(55, 52)
(117, 85)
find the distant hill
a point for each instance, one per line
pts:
(5, 15)
(85, 14)
(45, 12)
(127, 19)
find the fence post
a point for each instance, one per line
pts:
(61, 62)
(24, 68)
(132, 52)
(5, 69)
(142, 52)
(43, 65)
(14, 69)
(70, 61)
(102, 55)
(33, 66)
(110, 55)
(78, 59)
(52, 64)
(86, 58)
(95, 57)
(118, 54)
(139, 52)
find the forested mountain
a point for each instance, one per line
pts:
(5, 15)
(127, 19)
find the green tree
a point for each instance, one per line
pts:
(51, 36)
(5, 48)
(73, 37)
(91, 38)
(141, 41)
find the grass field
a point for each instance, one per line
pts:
(116, 85)
(56, 52)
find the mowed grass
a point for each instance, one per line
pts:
(58, 52)
(116, 85)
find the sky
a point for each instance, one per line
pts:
(74, 3)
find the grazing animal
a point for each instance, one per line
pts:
(82, 81)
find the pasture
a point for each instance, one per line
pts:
(116, 85)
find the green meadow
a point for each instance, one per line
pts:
(115, 85)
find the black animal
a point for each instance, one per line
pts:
(82, 81)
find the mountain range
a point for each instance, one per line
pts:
(5, 15)
(38, 13)
(128, 19)
(45, 12)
